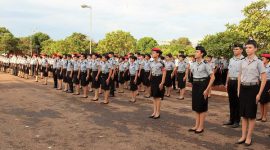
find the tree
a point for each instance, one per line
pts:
(117, 41)
(221, 43)
(177, 45)
(145, 44)
(37, 40)
(255, 25)
(8, 43)
(24, 45)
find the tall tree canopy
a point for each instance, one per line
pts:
(8, 43)
(119, 41)
(145, 44)
(255, 25)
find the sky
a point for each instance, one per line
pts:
(161, 19)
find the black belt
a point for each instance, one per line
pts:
(180, 71)
(250, 83)
(233, 78)
(199, 79)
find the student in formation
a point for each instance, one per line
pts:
(251, 83)
(181, 70)
(169, 67)
(106, 69)
(203, 79)
(231, 85)
(133, 72)
(158, 76)
(265, 98)
(84, 74)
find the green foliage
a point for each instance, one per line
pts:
(255, 25)
(145, 44)
(8, 43)
(177, 45)
(76, 43)
(117, 41)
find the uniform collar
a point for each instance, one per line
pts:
(235, 58)
(255, 58)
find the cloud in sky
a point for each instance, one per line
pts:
(161, 19)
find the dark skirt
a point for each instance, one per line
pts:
(64, 71)
(69, 79)
(168, 79)
(133, 85)
(139, 78)
(83, 79)
(247, 98)
(265, 97)
(26, 69)
(44, 71)
(104, 85)
(180, 80)
(59, 74)
(95, 83)
(126, 76)
(76, 80)
(90, 77)
(34, 70)
(199, 103)
(218, 77)
(155, 90)
(190, 77)
(146, 80)
(121, 77)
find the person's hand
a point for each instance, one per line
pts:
(107, 81)
(205, 94)
(78, 76)
(112, 77)
(70, 76)
(226, 87)
(87, 77)
(184, 79)
(135, 81)
(238, 93)
(258, 97)
(96, 78)
(161, 86)
(172, 75)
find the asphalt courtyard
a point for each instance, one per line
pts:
(37, 117)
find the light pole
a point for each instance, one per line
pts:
(90, 8)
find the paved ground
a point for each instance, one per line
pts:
(37, 117)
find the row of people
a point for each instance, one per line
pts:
(247, 81)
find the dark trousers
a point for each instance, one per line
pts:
(173, 82)
(233, 101)
(112, 87)
(55, 78)
(69, 81)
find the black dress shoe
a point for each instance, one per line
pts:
(156, 117)
(198, 132)
(191, 130)
(241, 142)
(228, 123)
(248, 144)
(235, 125)
(151, 116)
